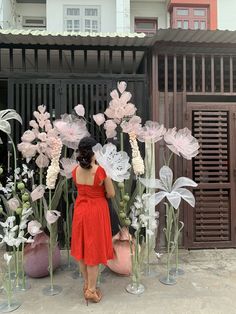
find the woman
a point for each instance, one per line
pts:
(91, 242)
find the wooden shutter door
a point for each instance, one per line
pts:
(212, 222)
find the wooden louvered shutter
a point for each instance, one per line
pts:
(211, 223)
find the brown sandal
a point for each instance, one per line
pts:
(92, 296)
(99, 293)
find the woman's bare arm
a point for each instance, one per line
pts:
(110, 191)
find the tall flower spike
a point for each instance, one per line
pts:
(137, 160)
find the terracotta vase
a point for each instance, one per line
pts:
(36, 257)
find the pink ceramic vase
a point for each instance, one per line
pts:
(36, 257)
(121, 264)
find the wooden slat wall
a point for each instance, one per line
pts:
(199, 77)
(212, 213)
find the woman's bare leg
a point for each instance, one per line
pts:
(83, 269)
(92, 277)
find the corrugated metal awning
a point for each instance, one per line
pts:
(37, 37)
(172, 36)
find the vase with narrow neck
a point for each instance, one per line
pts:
(135, 287)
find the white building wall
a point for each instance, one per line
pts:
(8, 14)
(55, 18)
(149, 9)
(29, 10)
(123, 16)
(227, 14)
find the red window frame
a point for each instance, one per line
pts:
(148, 31)
(191, 17)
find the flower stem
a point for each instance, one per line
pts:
(15, 160)
(50, 245)
(41, 201)
(22, 265)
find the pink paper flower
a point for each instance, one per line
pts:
(54, 169)
(182, 143)
(80, 111)
(42, 136)
(119, 107)
(34, 228)
(33, 124)
(99, 118)
(42, 161)
(13, 203)
(121, 86)
(41, 116)
(68, 164)
(132, 125)
(71, 130)
(152, 132)
(28, 136)
(37, 193)
(52, 216)
(110, 127)
(28, 150)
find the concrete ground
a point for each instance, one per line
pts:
(208, 287)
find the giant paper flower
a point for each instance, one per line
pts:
(68, 164)
(71, 130)
(173, 192)
(116, 164)
(132, 125)
(152, 132)
(99, 118)
(182, 143)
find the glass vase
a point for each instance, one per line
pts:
(135, 287)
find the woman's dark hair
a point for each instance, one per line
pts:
(85, 151)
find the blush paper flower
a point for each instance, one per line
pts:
(152, 132)
(132, 125)
(99, 118)
(13, 203)
(71, 130)
(173, 192)
(182, 143)
(52, 216)
(28, 136)
(116, 164)
(37, 193)
(68, 164)
(34, 228)
(80, 111)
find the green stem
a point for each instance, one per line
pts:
(41, 201)
(22, 266)
(121, 141)
(177, 240)
(50, 255)
(15, 160)
(67, 218)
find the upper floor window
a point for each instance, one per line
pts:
(190, 18)
(82, 19)
(145, 25)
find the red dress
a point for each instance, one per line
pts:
(91, 226)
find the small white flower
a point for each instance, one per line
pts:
(7, 258)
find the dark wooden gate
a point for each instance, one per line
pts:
(61, 95)
(212, 223)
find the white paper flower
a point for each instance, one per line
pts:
(116, 164)
(173, 192)
(7, 257)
